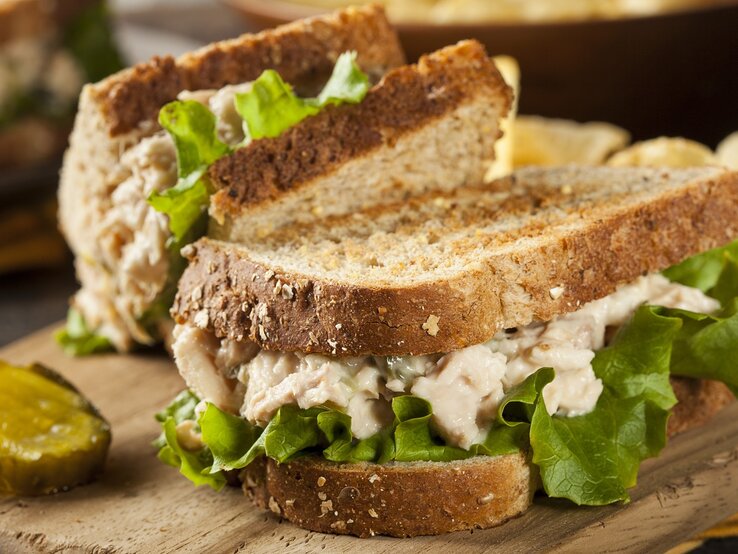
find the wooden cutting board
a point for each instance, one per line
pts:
(140, 505)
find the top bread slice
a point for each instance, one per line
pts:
(448, 270)
(423, 127)
(119, 111)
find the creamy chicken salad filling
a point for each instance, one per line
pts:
(132, 266)
(463, 387)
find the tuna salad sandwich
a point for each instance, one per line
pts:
(426, 365)
(48, 50)
(243, 137)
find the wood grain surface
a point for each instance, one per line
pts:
(140, 505)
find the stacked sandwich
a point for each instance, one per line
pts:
(48, 50)
(368, 324)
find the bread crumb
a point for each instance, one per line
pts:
(349, 521)
(374, 478)
(431, 325)
(381, 310)
(325, 507)
(486, 499)
(268, 275)
(338, 326)
(340, 525)
(196, 294)
(556, 292)
(262, 332)
(274, 507)
(244, 307)
(372, 512)
(277, 288)
(187, 251)
(211, 267)
(322, 495)
(321, 481)
(290, 502)
(287, 292)
(202, 319)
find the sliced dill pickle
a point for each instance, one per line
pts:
(51, 437)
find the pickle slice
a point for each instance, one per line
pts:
(51, 437)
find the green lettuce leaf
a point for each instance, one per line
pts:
(195, 466)
(414, 437)
(706, 348)
(707, 345)
(704, 270)
(271, 106)
(227, 436)
(627, 425)
(78, 340)
(89, 38)
(180, 409)
(291, 432)
(192, 127)
(342, 447)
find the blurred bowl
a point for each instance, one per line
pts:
(669, 74)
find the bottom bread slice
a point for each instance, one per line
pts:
(407, 499)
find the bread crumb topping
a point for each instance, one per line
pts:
(556, 292)
(431, 325)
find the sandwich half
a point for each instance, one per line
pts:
(241, 145)
(48, 50)
(425, 366)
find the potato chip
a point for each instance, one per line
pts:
(548, 142)
(664, 151)
(727, 151)
(503, 163)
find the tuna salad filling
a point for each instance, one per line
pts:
(464, 388)
(135, 260)
(161, 202)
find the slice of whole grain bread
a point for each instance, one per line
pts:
(448, 270)
(424, 127)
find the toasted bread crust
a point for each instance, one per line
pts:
(397, 499)
(406, 98)
(406, 500)
(240, 296)
(301, 52)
